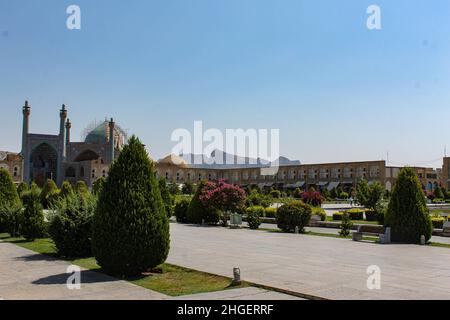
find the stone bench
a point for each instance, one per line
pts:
(446, 229)
(372, 231)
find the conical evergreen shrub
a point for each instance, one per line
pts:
(9, 203)
(49, 193)
(8, 191)
(66, 189)
(407, 212)
(98, 185)
(166, 196)
(22, 188)
(130, 228)
(32, 224)
(197, 211)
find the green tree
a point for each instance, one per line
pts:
(369, 196)
(98, 185)
(333, 193)
(81, 188)
(130, 228)
(21, 188)
(8, 192)
(66, 189)
(438, 194)
(197, 210)
(187, 188)
(293, 214)
(174, 189)
(325, 193)
(346, 225)
(70, 224)
(49, 193)
(166, 197)
(407, 212)
(32, 224)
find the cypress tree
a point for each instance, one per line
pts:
(166, 197)
(130, 227)
(22, 188)
(407, 212)
(197, 211)
(66, 189)
(8, 192)
(49, 193)
(32, 225)
(98, 185)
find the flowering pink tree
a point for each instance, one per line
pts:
(312, 197)
(224, 197)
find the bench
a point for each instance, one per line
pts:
(372, 231)
(446, 229)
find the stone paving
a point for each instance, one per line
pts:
(318, 266)
(26, 275)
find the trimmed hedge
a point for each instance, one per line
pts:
(356, 214)
(270, 212)
(32, 225)
(438, 222)
(337, 216)
(254, 217)
(293, 214)
(371, 215)
(319, 212)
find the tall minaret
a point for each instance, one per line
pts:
(111, 139)
(26, 110)
(68, 126)
(62, 144)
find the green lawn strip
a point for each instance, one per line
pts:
(330, 219)
(439, 245)
(319, 234)
(170, 279)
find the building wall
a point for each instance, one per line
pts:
(13, 164)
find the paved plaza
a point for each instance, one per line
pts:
(317, 266)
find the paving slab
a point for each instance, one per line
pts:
(319, 266)
(26, 275)
(250, 293)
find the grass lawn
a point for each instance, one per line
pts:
(170, 279)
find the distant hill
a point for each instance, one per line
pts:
(222, 160)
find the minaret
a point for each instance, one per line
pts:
(25, 126)
(26, 110)
(62, 144)
(68, 126)
(111, 139)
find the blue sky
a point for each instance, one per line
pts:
(336, 91)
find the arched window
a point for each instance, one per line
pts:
(16, 170)
(81, 171)
(93, 173)
(104, 173)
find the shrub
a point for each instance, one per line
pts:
(21, 188)
(174, 189)
(438, 193)
(10, 218)
(70, 225)
(312, 198)
(198, 211)
(407, 213)
(337, 216)
(319, 212)
(346, 225)
(438, 222)
(187, 188)
(66, 189)
(8, 192)
(297, 194)
(98, 185)
(344, 195)
(224, 198)
(371, 215)
(369, 196)
(181, 210)
(254, 217)
(130, 227)
(293, 214)
(32, 225)
(255, 198)
(256, 209)
(356, 214)
(81, 188)
(49, 193)
(270, 212)
(276, 194)
(166, 197)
